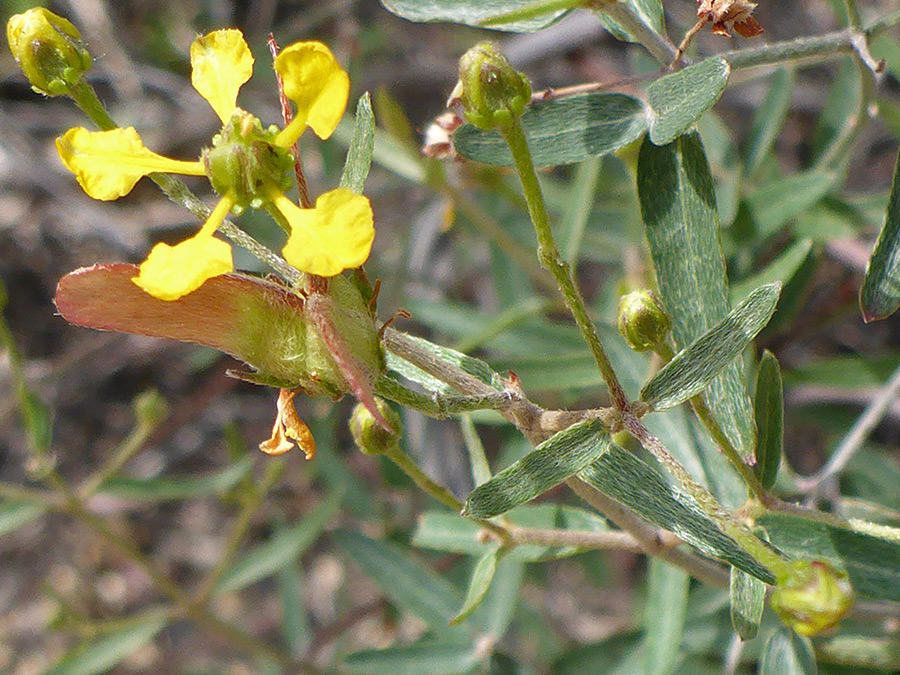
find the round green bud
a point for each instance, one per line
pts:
(642, 321)
(370, 437)
(813, 597)
(150, 408)
(491, 92)
(48, 49)
(244, 161)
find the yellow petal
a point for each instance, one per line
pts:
(221, 62)
(107, 164)
(336, 235)
(170, 272)
(318, 86)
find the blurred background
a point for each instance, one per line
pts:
(59, 581)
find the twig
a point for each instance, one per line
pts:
(854, 439)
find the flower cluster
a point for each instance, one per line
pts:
(248, 165)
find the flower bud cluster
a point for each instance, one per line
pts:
(48, 49)
(491, 92)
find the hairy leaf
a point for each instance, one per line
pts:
(694, 367)
(681, 224)
(549, 464)
(562, 130)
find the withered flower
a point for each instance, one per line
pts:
(728, 15)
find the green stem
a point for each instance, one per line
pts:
(658, 45)
(273, 471)
(438, 406)
(126, 450)
(481, 468)
(438, 491)
(552, 261)
(725, 447)
(86, 98)
(36, 496)
(420, 478)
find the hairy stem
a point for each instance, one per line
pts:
(553, 262)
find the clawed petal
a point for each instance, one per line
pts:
(107, 164)
(221, 62)
(170, 272)
(336, 235)
(318, 86)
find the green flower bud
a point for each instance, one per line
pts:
(491, 91)
(370, 436)
(244, 161)
(150, 408)
(48, 49)
(642, 321)
(813, 597)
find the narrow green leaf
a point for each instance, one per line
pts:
(479, 584)
(780, 200)
(549, 464)
(404, 580)
(499, 605)
(787, 652)
(168, 489)
(667, 598)
(562, 130)
(680, 99)
(443, 531)
(104, 653)
(768, 120)
(650, 12)
(631, 482)
(390, 153)
(286, 546)
(839, 114)
(579, 208)
(870, 561)
(782, 268)
(880, 293)
(471, 12)
(678, 206)
(14, 515)
(694, 367)
(362, 145)
(37, 420)
(748, 599)
(295, 624)
(426, 657)
(769, 407)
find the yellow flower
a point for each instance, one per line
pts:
(247, 165)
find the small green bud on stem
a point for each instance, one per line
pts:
(491, 92)
(370, 436)
(813, 597)
(48, 49)
(150, 408)
(642, 321)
